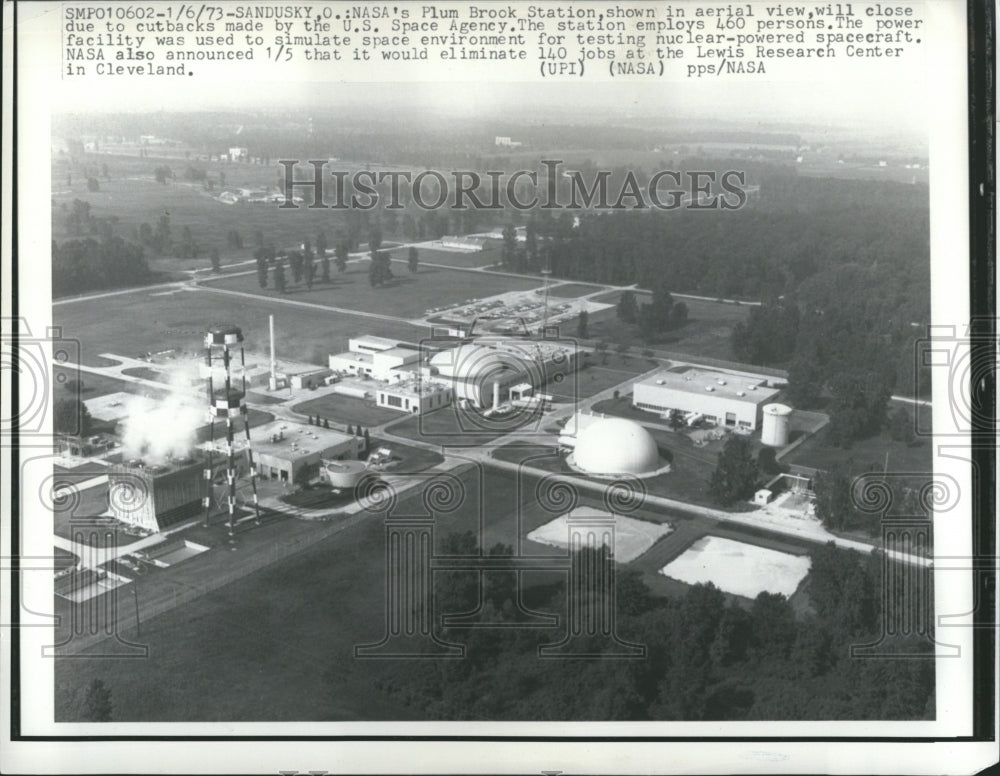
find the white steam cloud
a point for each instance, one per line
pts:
(156, 430)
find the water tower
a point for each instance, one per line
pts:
(226, 384)
(774, 431)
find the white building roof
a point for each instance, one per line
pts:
(307, 439)
(374, 343)
(708, 382)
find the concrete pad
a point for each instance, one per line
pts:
(738, 568)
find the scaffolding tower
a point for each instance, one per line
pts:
(226, 386)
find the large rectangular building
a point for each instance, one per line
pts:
(282, 449)
(733, 401)
(492, 370)
(153, 496)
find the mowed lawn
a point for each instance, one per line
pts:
(454, 426)
(865, 454)
(134, 199)
(95, 385)
(574, 290)
(407, 296)
(707, 332)
(596, 377)
(347, 410)
(138, 322)
(468, 259)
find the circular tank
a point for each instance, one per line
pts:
(223, 334)
(344, 474)
(774, 430)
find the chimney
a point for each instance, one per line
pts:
(274, 377)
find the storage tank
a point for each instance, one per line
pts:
(344, 474)
(774, 430)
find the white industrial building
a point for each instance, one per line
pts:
(376, 357)
(487, 371)
(415, 396)
(733, 401)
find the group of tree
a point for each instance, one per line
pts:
(768, 335)
(655, 318)
(706, 657)
(159, 239)
(162, 174)
(108, 261)
(359, 431)
(380, 269)
(736, 474)
(70, 415)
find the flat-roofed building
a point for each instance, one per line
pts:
(414, 395)
(376, 357)
(352, 363)
(733, 401)
(312, 378)
(283, 449)
(369, 343)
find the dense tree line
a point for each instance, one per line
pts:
(707, 659)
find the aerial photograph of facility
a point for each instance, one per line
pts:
(299, 447)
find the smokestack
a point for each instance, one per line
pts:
(496, 396)
(270, 322)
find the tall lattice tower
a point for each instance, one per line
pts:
(226, 384)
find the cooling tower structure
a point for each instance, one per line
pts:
(774, 429)
(226, 385)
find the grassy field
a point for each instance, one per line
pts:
(486, 257)
(706, 333)
(134, 198)
(347, 410)
(408, 296)
(137, 322)
(597, 377)
(573, 290)
(94, 385)
(865, 454)
(457, 427)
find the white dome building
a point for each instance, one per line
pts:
(615, 446)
